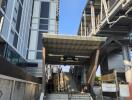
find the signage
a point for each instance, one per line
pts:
(108, 87)
(124, 90)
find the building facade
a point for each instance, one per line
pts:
(44, 20)
(15, 17)
(22, 23)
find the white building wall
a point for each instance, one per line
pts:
(115, 61)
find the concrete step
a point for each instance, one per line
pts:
(57, 97)
(80, 97)
(68, 97)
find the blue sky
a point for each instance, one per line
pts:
(69, 19)
(70, 16)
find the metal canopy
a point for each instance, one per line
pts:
(71, 50)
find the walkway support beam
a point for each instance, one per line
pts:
(44, 64)
(93, 18)
(93, 67)
(85, 24)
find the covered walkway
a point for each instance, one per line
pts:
(72, 50)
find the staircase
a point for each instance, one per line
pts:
(80, 97)
(69, 97)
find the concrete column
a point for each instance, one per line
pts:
(84, 74)
(93, 18)
(93, 66)
(128, 68)
(81, 29)
(44, 77)
(101, 13)
(85, 23)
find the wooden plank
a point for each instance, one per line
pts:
(94, 66)
(108, 77)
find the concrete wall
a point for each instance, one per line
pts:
(12, 70)
(16, 89)
(5, 89)
(115, 61)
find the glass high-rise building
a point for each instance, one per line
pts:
(22, 23)
(44, 20)
(15, 17)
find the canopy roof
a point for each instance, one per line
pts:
(71, 50)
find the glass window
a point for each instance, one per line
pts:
(40, 45)
(19, 18)
(39, 55)
(11, 36)
(31, 55)
(15, 9)
(44, 10)
(9, 8)
(19, 45)
(46, 31)
(44, 21)
(14, 20)
(5, 27)
(43, 27)
(21, 1)
(15, 41)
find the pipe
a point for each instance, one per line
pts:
(117, 20)
(126, 3)
(106, 11)
(124, 16)
(128, 11)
